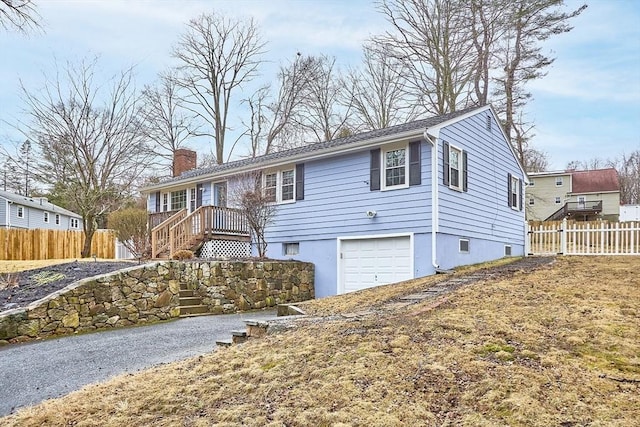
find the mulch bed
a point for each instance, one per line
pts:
(22, 288)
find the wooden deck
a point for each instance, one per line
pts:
(181, 230)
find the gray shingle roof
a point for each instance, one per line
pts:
(37, 203)
(417, 124)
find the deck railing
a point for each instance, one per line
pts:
(184, 231)
(160, 233)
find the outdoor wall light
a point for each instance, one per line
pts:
(371, 214)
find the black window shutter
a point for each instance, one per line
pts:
(158, 201)
(509, 189)
(415, 171)
(520, 195)
(464, 171)
(445, 163)
(199, 195)
(300, 181)
(374, 178)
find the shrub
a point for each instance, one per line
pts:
(182, 255)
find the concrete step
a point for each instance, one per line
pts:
(193, 309)
(224, 343)
(289, 310)
(238, 337)
(256, 328)
(195, 314)
(187, 301)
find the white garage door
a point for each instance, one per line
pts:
(365, 263)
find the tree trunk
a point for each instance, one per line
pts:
(89, 231)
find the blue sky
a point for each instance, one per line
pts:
(587, 106)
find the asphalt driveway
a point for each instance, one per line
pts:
(37, 371)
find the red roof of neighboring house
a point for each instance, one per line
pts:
(595, 181)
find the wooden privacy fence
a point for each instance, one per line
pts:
(583, 238)
(29, 245)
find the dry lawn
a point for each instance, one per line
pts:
(15, 266)
(559, 346)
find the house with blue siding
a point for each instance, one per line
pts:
(370, 209)
(24, 212)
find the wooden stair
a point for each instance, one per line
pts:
(191, 304)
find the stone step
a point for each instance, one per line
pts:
(256, 328)
(187, 301)
(186, 292)
(193, 309)
(195, 314)
(238, 337)
(224, 343)
(289, 310)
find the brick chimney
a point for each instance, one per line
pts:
(183, 160)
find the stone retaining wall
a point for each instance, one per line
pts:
(228, 286)
(150, 293)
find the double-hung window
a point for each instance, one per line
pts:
(74, 222)
(395, 168)
(514, 192)
(280, 186)
(20, 212)
(455, 167)
(45, 217)
(165, 202)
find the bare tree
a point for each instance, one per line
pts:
(271, 116)
(88, 139)
(535, 160)
(529, 22)
(257, 207)
(377, 91)
(217, 55)
(628, 167)
(166, 123)
(20, 15)
(434, 40)
(324, 112)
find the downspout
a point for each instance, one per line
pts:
(434, 198)
(8, 218)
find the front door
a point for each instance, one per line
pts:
(220, 194)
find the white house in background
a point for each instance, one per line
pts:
(18, 211)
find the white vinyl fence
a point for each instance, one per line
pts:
(583, 238)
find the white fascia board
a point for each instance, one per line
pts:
(315, 155)
(435, 131)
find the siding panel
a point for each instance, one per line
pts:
(482, 211)
(338, 195)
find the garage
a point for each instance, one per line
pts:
(369, 262)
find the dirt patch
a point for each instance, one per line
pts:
(22, 288)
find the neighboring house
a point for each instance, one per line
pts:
(35, 212)
(578, 195)
(373, 208)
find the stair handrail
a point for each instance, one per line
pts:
(181, 233)
(160, 234)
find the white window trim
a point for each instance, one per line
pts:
(532, 201)
(74, 222)
(460, 186)
(286, 245)
(164, 207)
(559, 181)
(45, 217)
(468, 246)
(515, 191)
(279, 173)
(383, 169)
(558, 200)
(20, 212)
(58, 219)
(510, 250)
